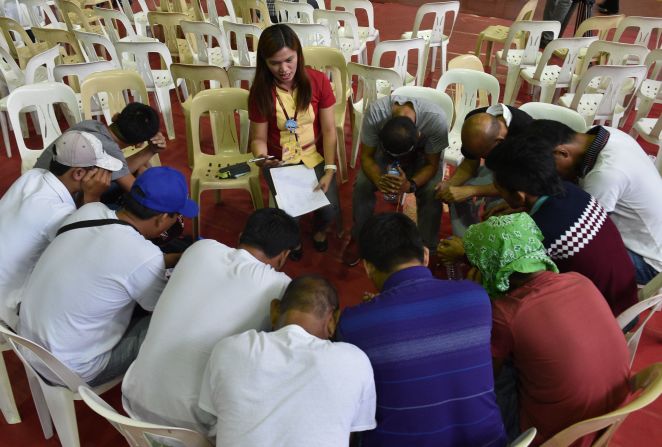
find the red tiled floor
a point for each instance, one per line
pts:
(224, 221)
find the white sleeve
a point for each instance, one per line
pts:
(147, 282)
(205, 400)
(364, 417)
(606, 186)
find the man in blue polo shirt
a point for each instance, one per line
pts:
(429, 344)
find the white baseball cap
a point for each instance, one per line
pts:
(82, 149)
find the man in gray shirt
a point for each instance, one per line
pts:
(413, 133)
(136, 124)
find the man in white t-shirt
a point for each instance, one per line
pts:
(79, 300)
(215, 291)
(611, 166)
(36, 204)
(292, 387)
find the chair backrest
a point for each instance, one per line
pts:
(653, 287)
(72, 14)
(195, 77)
(44, 59)
(225, 102)
(527, 11)
(401, 49)
(312, 34)
(242, 32)
(18, 42)
(239, 73)
(294, 12)
(440, 10)
(40, 13)
(544, 110)
(470, 62)
(646, 28)
(330, 61)
(429, 94)
(201, 37)
(212, 12)
(472, 82)
(42, 357)
(332, 20)
(114, 83)
(573, 47)
(170, 23)
(614, 53)
(601, 25)
(70, 51)
(653, 303)
(141, 52)
(256, 12)
(80, 71)
(366, 88)
(618, 78)
(9, 69)
(533, 30)
(109, 19)
(138, 433)
(647, 384)
(357, 5)
(89, 43)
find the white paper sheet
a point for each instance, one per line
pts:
(294, 190)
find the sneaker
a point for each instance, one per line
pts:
(351, 255)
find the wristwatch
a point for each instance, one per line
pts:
(412, 186)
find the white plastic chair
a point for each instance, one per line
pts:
(89, 42)
(80, 72)
(546, 111)
(109, 19)
(611, 53)
(212, 13)
(40, 97)
(525, 439)
(345, 37)
(34, 73)
(652, 287)
(401, 48)
(650, 129)
(312, 34)
(517, 59)
(156, 80)
(650, 91)
(609, 104)
(647, 27)
(204, 35)
(472, 82)
(435, 37)
(366, 92)
(7, 402)
(255, 12)
(139, 18)
(653, 303)
(138, 433)
(239, 73)
(548, 77)
(241, 32)
(294, 12)
(431, 95)
(52, 401)
(366, 33)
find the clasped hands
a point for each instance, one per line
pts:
(393, 184)
(453, 194)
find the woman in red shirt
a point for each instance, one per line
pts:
(292, 118)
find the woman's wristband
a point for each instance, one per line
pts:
(333, 168)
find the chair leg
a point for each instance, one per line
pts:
(40, 404)
(256, 193)
(479, 46)
(434, 59)
(5, 132)
(341, 153)
(195, 195)
(512, 79)
(7, 403)
(163, 98)
(443, 55)
(488, 54)
(547, 92)
(61, 405)
(356, 139)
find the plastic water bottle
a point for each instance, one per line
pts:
(453, 271)
(392, 170)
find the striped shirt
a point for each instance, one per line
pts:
(429, 344)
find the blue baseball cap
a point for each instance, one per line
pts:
(165, 190)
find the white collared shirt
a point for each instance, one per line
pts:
(501, 110)
(31, 211)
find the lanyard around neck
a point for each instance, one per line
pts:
(290, 123)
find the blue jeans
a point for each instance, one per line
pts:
(643, 272)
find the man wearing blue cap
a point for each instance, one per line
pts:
(81, 295)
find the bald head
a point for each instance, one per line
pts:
(481, 132)
(310, 294)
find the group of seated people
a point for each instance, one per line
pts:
(225, 343)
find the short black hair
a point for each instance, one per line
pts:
(550, 133)
(398, 135)
(390, 239)
(520, 164)
(310, 294)
(271, 230)
(57, 169)
(131, 205)
(137, 123)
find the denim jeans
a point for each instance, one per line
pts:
(643, 272)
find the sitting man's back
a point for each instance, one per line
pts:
(291, 387)
(429, 344)
(215, 292)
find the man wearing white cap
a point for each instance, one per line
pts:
(33, 208)
(79, 300)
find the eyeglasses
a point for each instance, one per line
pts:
(400, 155)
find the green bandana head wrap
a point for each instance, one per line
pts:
(503, 245)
